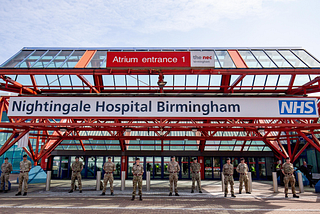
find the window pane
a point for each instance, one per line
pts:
(249, 59)
(58, 61)
(31, 59)
(97, 59)
(13, 62)
(73, 59)
(309, 60)
(225, 59)
(263, 59)
(278, 59)
(294, 61)
(45, 59)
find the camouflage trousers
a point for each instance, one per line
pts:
(4, 179)
(23, 177)
(173, 178)
(292, 180)
(196, 177)
(137, 180)
(107, 177)
(244, 179)
(228, 180)
(73, 178)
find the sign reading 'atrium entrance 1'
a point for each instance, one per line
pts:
(107, 107)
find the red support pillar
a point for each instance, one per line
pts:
(124, 164)
(201, 161)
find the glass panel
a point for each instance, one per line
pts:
(73, 59)
(263, 59)
(271, 81)
(56, 167)
(157, 166)
(225, 59)
(262, 168)
(64, 167)
(34, 57)
(59, 60)
(179, 80)
(13, 62)
(284, 80)
(25, 80)
(99, 163)
(166, 161)
(191, 80)
(259, 80)
(149, 166)
(301, 80)
(249, 59)
(294, 61)
(91, 167)
(216, 168)
(278, 59)
(42, 63)
(185, 167)
(309, 60)
(97, 59)
(252, 167)
(208, 167)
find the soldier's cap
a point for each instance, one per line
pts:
(6, 158)
(137, 158)
(24, 156)
(228, 159)
(195, 158)
(77, 157)
(241, 159)
(109, 157)
(173, 156)
(287, 158)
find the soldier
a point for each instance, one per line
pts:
(25, 167)
(76, 167)
(195, 169)
(243, 169)
(288, 170)
(227, 171)
(137, 171)
(108, 168)
(6, 169)
(173, 169)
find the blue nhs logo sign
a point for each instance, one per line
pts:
(297, 107)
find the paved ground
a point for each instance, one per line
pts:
(58, 200)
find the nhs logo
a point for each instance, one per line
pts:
(297, 107)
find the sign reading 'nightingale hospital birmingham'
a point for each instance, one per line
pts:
(154, 59)
(167, 107)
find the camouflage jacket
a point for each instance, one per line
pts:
(242, 168)
(25, 166)
(227, 169)
(195, 167)
(173, 167)
(6, 168)
(137, 169)
(109, 167)
(77, 166)
(288, 168)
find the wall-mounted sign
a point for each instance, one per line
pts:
(157, 107)
(153, 59)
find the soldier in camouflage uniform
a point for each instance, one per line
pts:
(195, 169)
(76, 167)
(25, 167)
(6, 169)
(173, 169)
(243, 169)
(137, 171)
(227, 171)
(288, 170)
(108, 167)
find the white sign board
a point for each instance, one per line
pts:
(202, 58)
(167, 107)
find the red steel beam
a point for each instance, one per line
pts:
(15, 83)
(303, 88)
(85, 81)
(317, 147)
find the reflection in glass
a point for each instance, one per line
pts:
(13, 62)
(249, 59)
(278, 59)
(225, 59)
(294, 61)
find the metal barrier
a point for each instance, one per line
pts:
(222, 182)
(48, 180)
(123, 180)
(148, 181)
(300, 182)
(98, 182)
(250, 181)
(275, 182)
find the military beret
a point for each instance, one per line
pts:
(77, 157)
(195, 158)
(228, 159)
(287, 158)
(173, 156)
(137, 158)
(241, 159)
(6, 158)
(25, 156)
(109, 157)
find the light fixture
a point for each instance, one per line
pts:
(63, 130)
(90, 138)
(128, 130)
(162, 83)
(194, 129)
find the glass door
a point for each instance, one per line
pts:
(166, 161)
(157, 168)
(149, 166)
(208, 169)
(117, 162)
(185, 168)
(64, 167)
(262, 168)
(91, 167)
(252, 167)
(216, 168)
(56, 170)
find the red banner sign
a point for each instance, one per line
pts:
(148, 59)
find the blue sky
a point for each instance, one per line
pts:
(159, 23)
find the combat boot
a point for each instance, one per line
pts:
(248, 192)
(176, 194)
(1, 190)
(103, 193)
(286, 196)
(170, 194)
(19, 193)
(140, 198)
(80, 191)
(24, 194)
(200, 191)
(112, 193)
(233, 196)
(295, 196)
(133, 197)
(6, 191)
(225, 194)
(71, 191)
(239, 192)
(192, 191)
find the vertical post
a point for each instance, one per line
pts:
(222, 181)
(123, 180)
(300, 181)
(48, 180)
(98, 182)
(250, 181)
(148, 181)
(275, 182)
